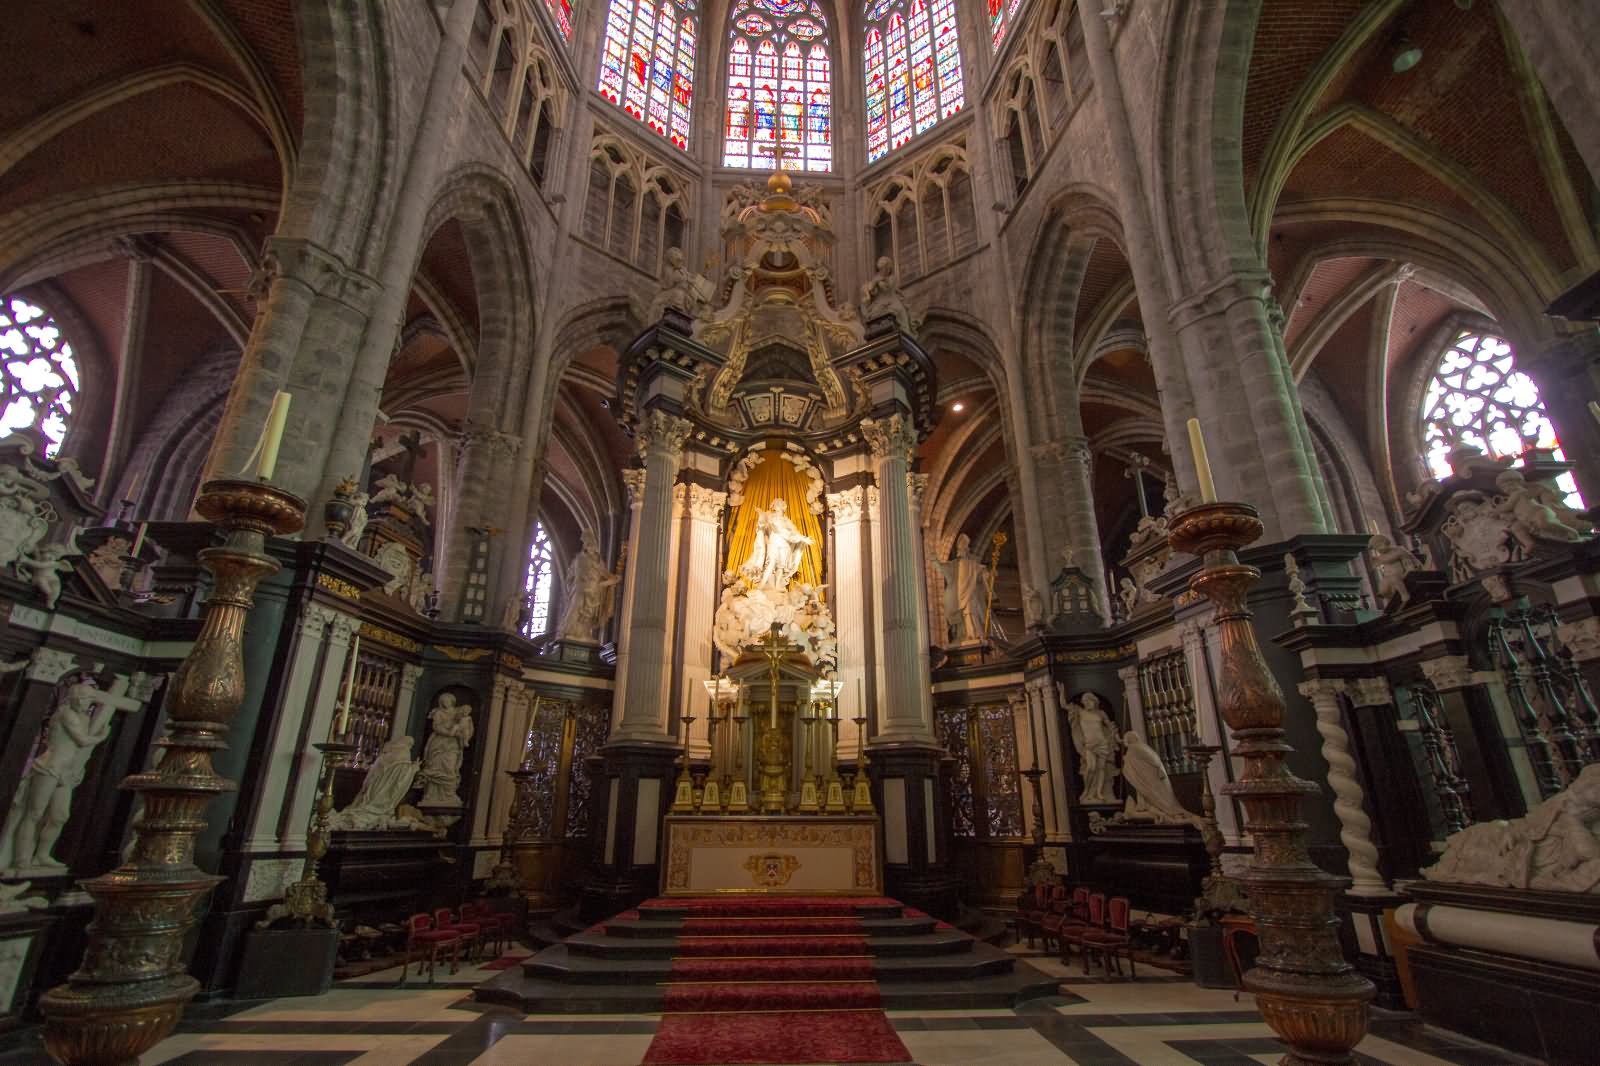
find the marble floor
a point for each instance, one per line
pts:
(1155, 1021)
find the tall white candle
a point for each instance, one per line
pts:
(138, 539)
(1202, 465)
(272, 436)
(1594, 409)
(349, 685)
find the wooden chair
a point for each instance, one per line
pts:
(1076, 921)
(423, 939)
(504, 921)
(1077, 934)
(1112, 941)
(1033, 911)
(471, 933)
(1055, 914)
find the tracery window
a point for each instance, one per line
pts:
(541, 580)
(647, 63)
(1477, 396)
(912, 61)
(1002, 13)
(38, 372)
(780, 86)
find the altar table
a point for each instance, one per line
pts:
(773, 855)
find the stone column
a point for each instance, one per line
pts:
(484, 469)
(1355, 828)
(699, 600)
(846, 509)
(1567, 372)
(906, 705)
(1053, 760)
(406, 700)
(494, 722)
(1132, 698)
(509, 736)
(322, 710)
(1552, 33)
(1020, 703)
(1083, 531)
(288, 753)
(661, 439)
(633, 482)
(916, 485)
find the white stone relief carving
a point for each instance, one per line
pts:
(81, 719)
(49, 664)
(845, 506)
(1582, 638)
(1369, 692)
(25, 514)
(1448, 672)
(268, 878)
(1392, 562)
(1555, 847)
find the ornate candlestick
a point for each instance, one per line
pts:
(860, 783)
(1033, 774)
(1218, 892)
(808, 784)
(738, 788)
(132, 986)
(306, 900)
(1310, 996)
(683, 791)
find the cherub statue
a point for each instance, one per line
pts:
(358, 520)
(1392, 562)
(420, 500)
(1534, 511)
(44, 568)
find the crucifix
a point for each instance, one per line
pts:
(1137, 466)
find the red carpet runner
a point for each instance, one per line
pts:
(771, 981)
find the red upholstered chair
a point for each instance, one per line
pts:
(1034, 911)
(1077, 920)
(471, 933)
(506, 920)
(488, 925)
(1077, 934)
(1050, 924)
(423, 940)
(1112, 941)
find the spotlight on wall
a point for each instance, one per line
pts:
(1407, 53)
(958, 407)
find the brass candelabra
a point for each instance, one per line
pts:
(1311, 997)
(306, 900)
(132, 984)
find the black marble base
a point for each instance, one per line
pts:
(287, 962)
(1533, 1008)
(1158, 867)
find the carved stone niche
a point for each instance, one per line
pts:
(44, 504)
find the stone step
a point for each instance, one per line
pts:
(561, 964)
(629, 927)
(603, 945)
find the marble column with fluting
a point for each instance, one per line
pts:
(699, 600)
(633, 481)
(661, 439)
(906, 705)
(847, 510)
(1355, 828)
(1132, 698)
(1052, 760)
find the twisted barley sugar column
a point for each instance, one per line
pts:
(132, 985)
(1310, 996)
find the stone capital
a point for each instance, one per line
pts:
(660, 433)
(48, 665)
(482, 435)
(845, 505)
(1582, 638)
(1129, 674)
(705, 505)
(1370, 692)
(410, 674)
(341, 627)
(1216, 297)
(1322, 690)
(633, 481)
(916, 485)
(890, 438)
(1448, 672)
(872, 503)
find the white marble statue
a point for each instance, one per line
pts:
(25, 514)
(390, 490)
(44, 568)
(358, 520)
(1555, 847)
(1094, 737)
(1535, 512)
(421, 592)
(387, 782)
(1032, 606)
(12, 900)
(589, 593)
(778, 550)
(442, 756)
(1393, 562)
(745, 616)
(963, 607)
(681, 288)
(881, 296)
(420, 499)
(82, 717)
(1149, 788)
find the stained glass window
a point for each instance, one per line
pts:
(38, 373)
(911, 57)
(780, 86)
(561, 11)
(1477, 396)
(541, 580)
(1001, 14)
(647, 63)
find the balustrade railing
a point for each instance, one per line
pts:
(1554, 710)
(1170, 720)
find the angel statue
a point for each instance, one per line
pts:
(779, 547)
